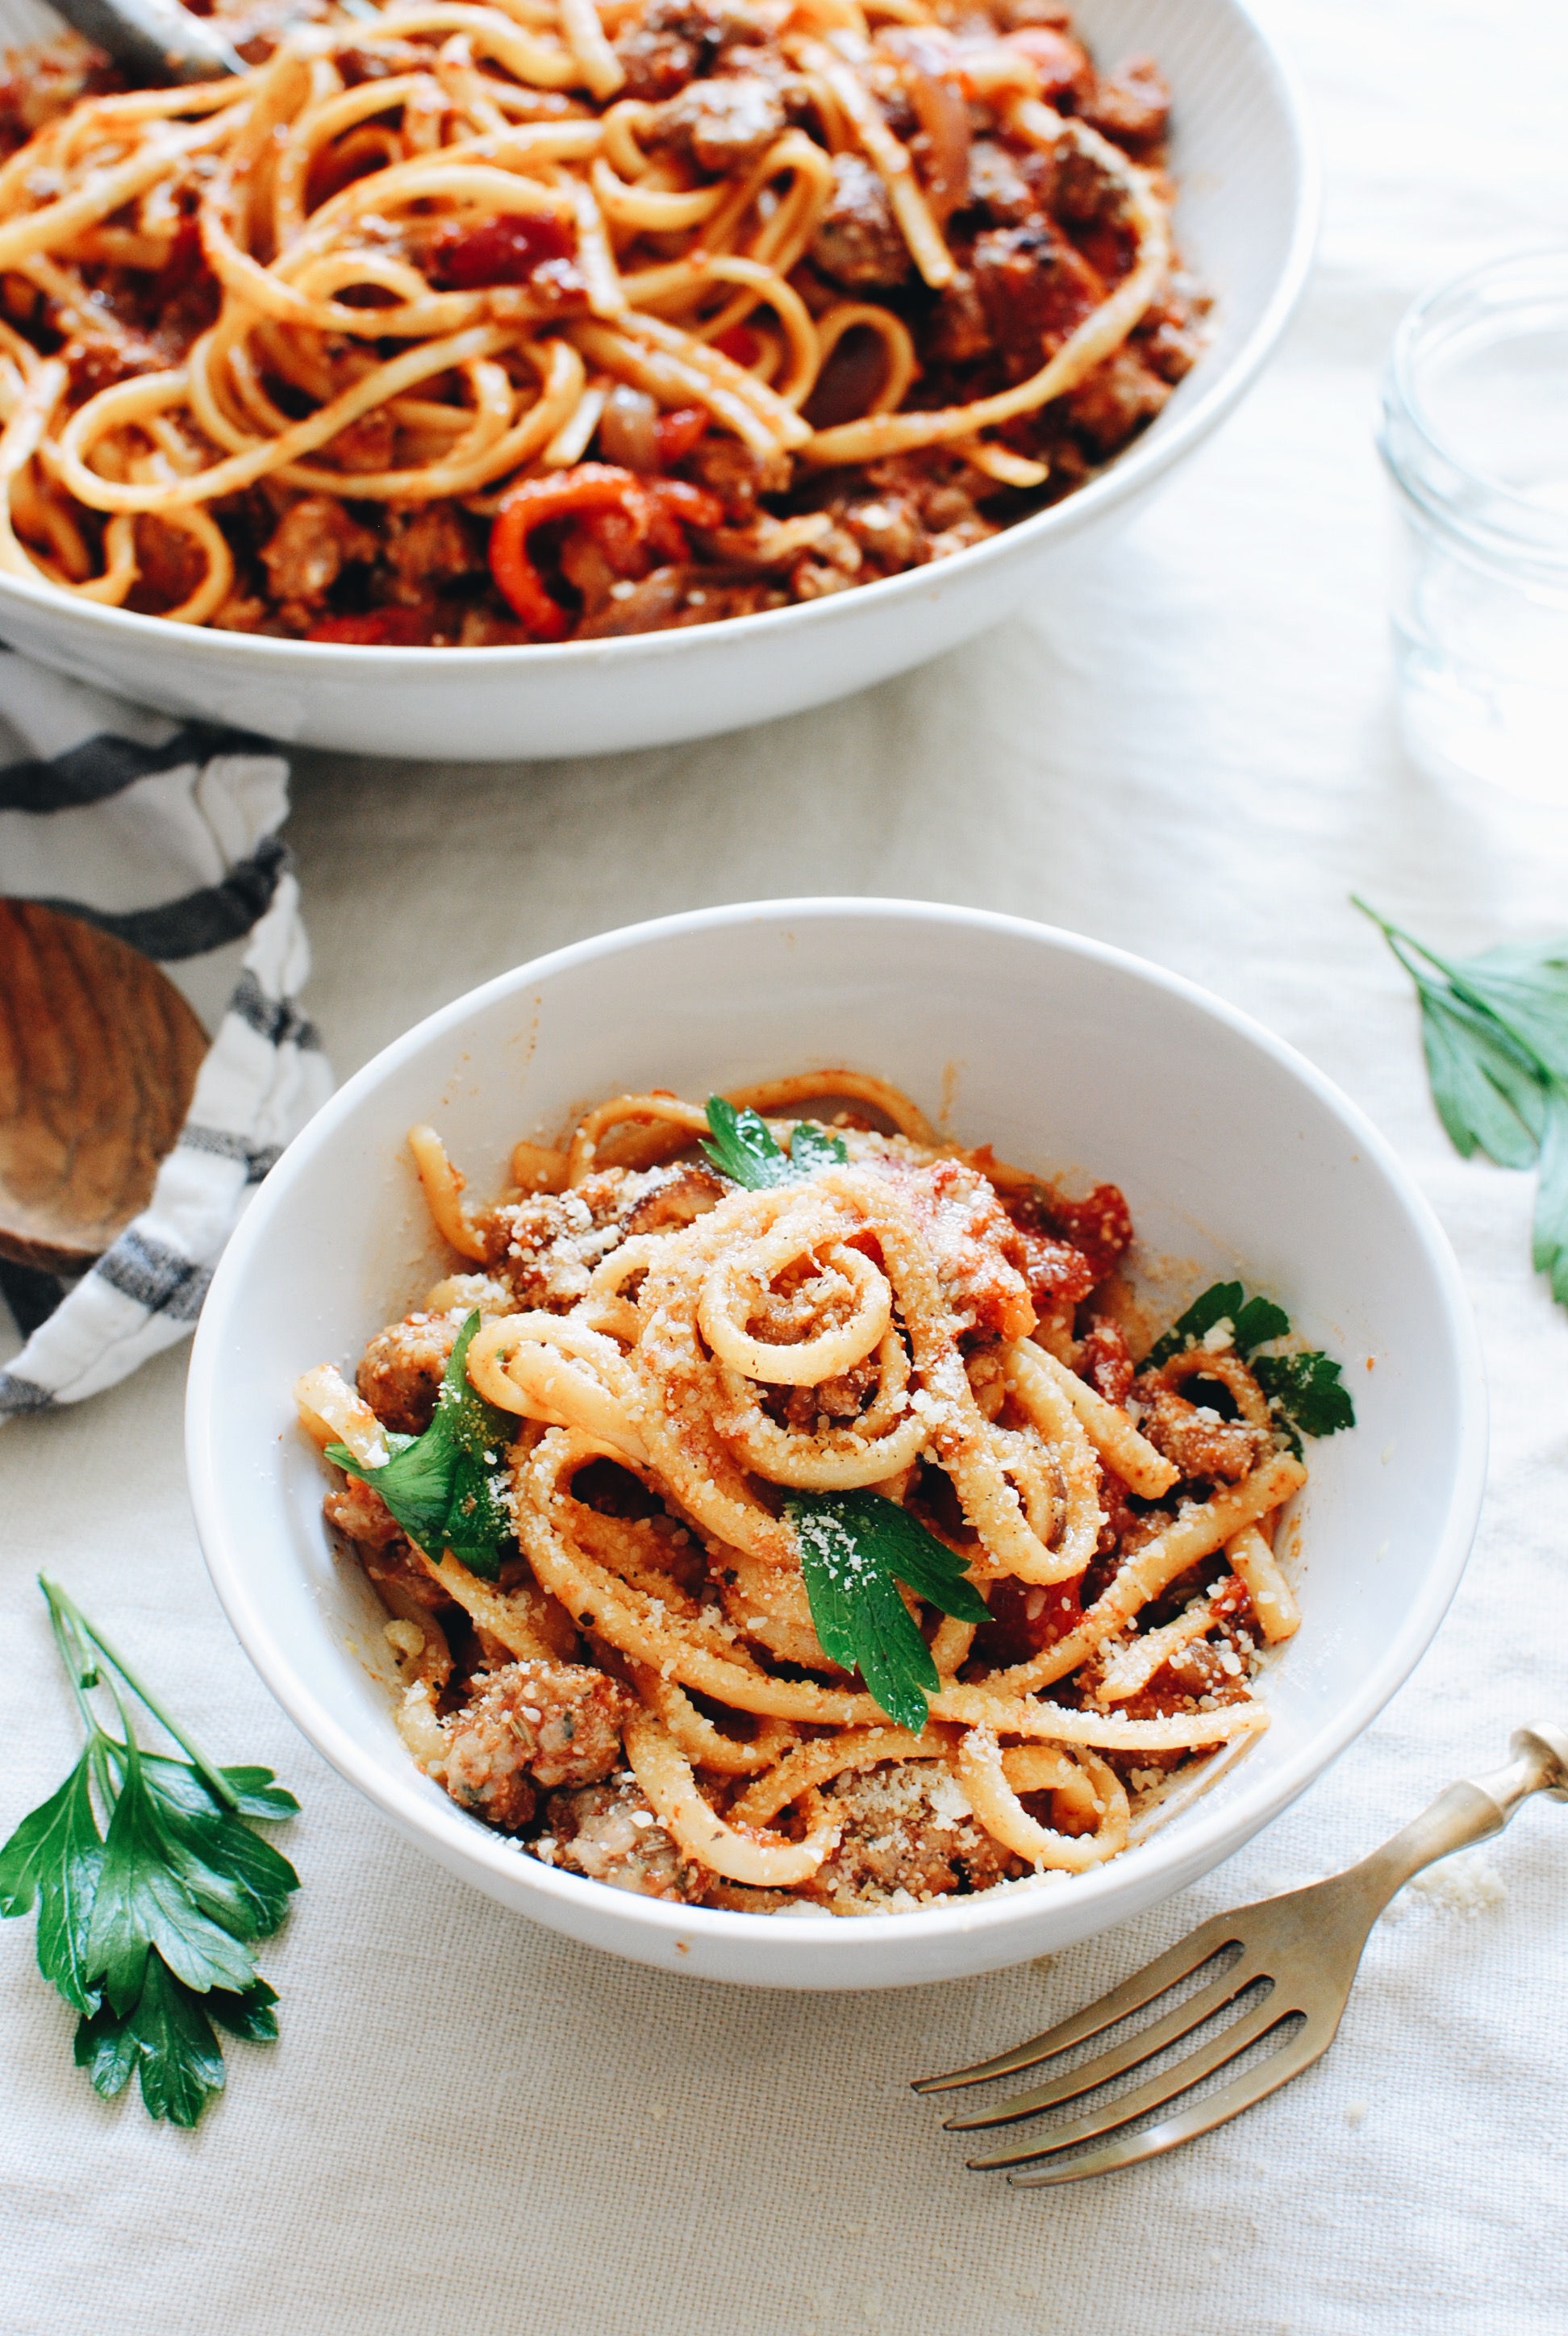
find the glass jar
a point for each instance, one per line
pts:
(1475, 432)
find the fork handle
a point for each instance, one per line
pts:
(1469, 1812)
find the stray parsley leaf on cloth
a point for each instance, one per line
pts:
(1304, 1390)
(145, 1930)
(855, 1548)
(741, 1147)
(447, 1488)
(1495, 1031)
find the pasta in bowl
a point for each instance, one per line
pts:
(615, 1708)
(788, 1523)
(457, 326)
(598, 338)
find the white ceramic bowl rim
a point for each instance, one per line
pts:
(1147, 459)
(1201, 1831)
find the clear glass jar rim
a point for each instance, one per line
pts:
(1398, 376)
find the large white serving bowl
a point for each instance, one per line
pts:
(1235, 1153)
(1246, 222)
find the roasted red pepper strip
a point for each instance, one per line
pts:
(496, 251)
(621, 538)
(565, 494)
(655, 507)
(677, 431)
(740, 344)
(672, 501)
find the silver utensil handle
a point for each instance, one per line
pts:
(1470, 1811)
(156, 38)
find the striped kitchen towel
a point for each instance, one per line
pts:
(164, 833)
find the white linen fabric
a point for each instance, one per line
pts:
(471, 2127)
(166, 835)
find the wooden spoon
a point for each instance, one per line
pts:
(99, 1054)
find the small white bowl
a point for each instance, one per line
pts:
(1236, 1157)
(1246, 218)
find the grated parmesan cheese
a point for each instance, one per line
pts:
(1466, 1884)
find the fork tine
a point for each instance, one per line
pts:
(1142, 1988)
(1153, 2093)
(1244, 2093)
(1122, 2056)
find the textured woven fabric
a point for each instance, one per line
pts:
(164, 834)
(472, 2129)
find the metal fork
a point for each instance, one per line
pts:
(158, 39)
(1301, 1950)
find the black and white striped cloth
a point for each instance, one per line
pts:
(164, 833)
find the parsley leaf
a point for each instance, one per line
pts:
(1258, 1320)
(105, 2046)
(167, 2037)
(1254, 1320)
(257, 1794)
(1523, 984)
(1305, 1394)
(446, 1488)
(232, 1873)
(741, 1146)
(54, 1857)
(1550, 1245)
(1488, 1095)
(164, 2036)
(855, 1547)
(1304, 1390)
(250, 2015)
(812, 1146)
(1494, 1028)
(146, 1930)
(143, 1902)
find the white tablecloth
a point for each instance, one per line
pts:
(472, 2129)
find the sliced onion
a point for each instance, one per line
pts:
(628, 428)
(939, 109)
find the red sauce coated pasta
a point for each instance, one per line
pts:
(847, 292)
(685, 1354)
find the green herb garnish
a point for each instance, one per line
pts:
(743, 1149)
(1253, 1321)
(447, 1488)
(146, 1929)
(855, 1547)
(1304, 1390)
(812, 1146)
(1496, 1032)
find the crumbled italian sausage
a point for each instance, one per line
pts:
(527, 1724)
(609, 1832)
(858, 241)
(908, 1832)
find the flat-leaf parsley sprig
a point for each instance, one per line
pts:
(1303, 1389)
(1496, 1032)
(146, 1928)
(447, 1488)
(855, 1549)
(741, 1146)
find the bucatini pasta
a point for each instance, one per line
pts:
(502, 321)
(680, 1366)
